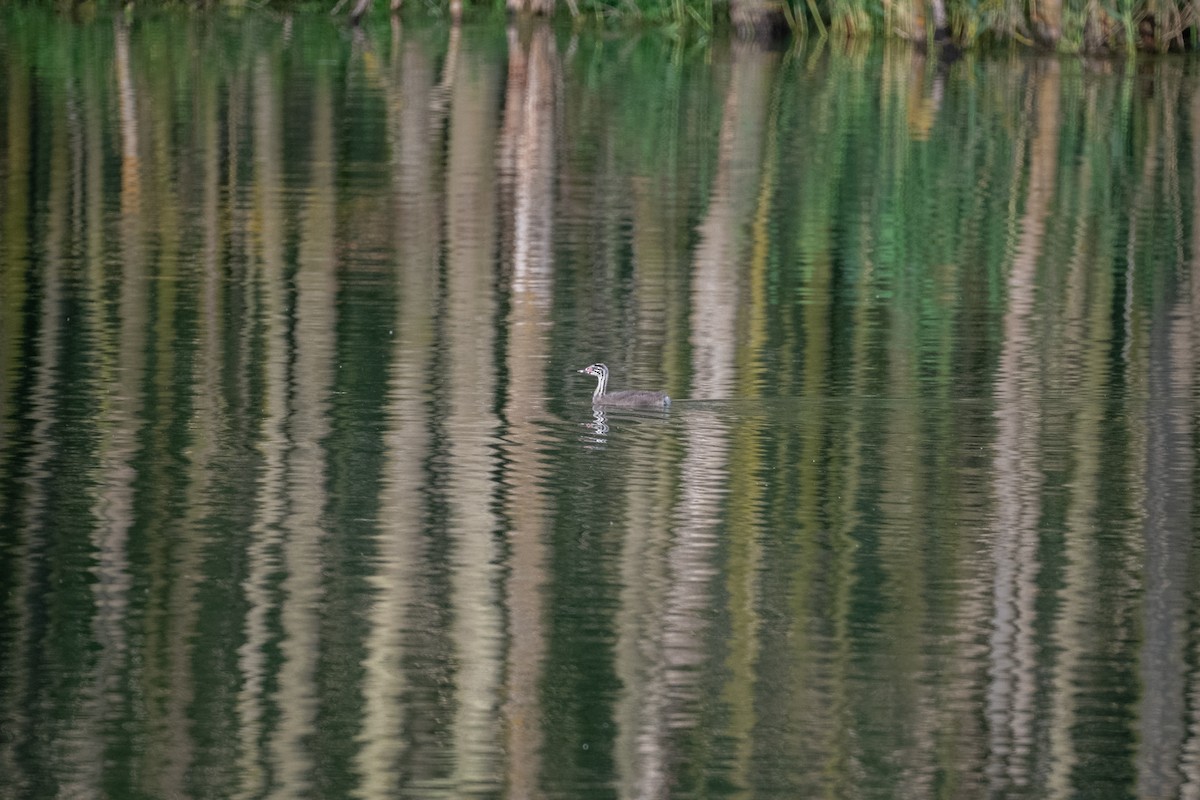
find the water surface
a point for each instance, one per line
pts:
(301, 494)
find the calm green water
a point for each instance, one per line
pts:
(301, 494)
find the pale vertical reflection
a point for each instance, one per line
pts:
(264, 276)
(15, 605)
(204, 384)
(743, 584)
(471, 425)
(802, 652)
(1168, 532)
(14, 251)
(51, 344)
(913, 652)
(1191, 753)
(1010, 697)
(842, 747)
(718, 293)
(118, 421)
(78, 759)
(527, 161)
(925, 95)
(407, 439)
(80, 741)
(308, 387)
(1088, 329)
(802, 659)
(658, 215)
(641, 747)
(160, 640)
(904, 587)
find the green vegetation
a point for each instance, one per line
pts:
(1071, 26)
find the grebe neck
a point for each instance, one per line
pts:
(601, 373)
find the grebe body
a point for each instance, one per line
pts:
(629, 398)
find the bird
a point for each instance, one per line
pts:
(630, 398)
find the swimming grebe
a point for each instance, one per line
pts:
(633, 398)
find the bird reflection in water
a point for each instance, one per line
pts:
(598, 428)
(628, 398)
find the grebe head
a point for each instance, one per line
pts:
(597, 370)
(600, 373)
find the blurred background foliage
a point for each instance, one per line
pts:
(1097, 27)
